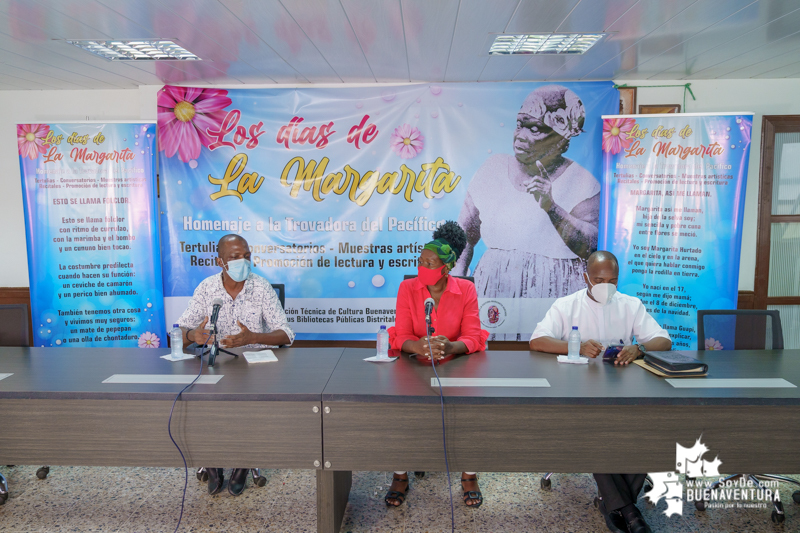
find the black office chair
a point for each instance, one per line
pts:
(745, 329)
(258, 479)
(13, 332)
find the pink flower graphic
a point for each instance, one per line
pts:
(614, 140)
(149, 340)
(407, 142)
(184, 116)
(713, 344)
(30, 139)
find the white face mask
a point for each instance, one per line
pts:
(602, 292)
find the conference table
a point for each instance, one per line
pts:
(326, 409)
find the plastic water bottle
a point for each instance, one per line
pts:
(383, 342)
(176, 341)
(574, 344)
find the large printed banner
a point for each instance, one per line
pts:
(93, 252)
(672, 208)
(336, 190)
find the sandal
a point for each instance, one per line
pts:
(395, 495)
(474, 495)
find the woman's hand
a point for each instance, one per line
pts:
(438, 346)
(541, 187)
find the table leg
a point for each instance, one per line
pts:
(333, 491)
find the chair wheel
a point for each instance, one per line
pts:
(260, 481)
(419, 475)
(796, 496)
(648, 485)
(778, 518)
(546, 484)
(3, 499)
(700, 505)
(596, 502)
(42, 472)
(202, 476)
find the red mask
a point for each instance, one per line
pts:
(430, 276)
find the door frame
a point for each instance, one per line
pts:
(770, 125)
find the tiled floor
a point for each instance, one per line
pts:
(117, 500)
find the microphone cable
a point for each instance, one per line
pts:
(444, 439)
(169, 430)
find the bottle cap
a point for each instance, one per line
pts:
(383, 327)
(175, 325)
(574, 327)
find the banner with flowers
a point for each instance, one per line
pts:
(672, 210)
(336, 191)
(89, 193)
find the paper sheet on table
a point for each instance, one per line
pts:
(376, 359)
(181, 357)
(264, 356)
(580, 361)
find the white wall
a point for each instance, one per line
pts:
(764, 97)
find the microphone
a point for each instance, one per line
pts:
(428, 308)
(215, 307)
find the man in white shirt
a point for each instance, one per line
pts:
(604, 316)
(251, 315)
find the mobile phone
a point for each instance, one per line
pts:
(611, 353)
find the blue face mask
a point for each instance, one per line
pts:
(239, 269)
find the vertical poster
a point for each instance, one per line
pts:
(89, 194)
(671, 211)
(336, 190)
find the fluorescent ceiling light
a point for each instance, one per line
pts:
(137, 50)
(544, 43)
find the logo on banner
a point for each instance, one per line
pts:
(492, 314)
(740, 493)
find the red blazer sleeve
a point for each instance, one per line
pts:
(403, 329)
(471, 333)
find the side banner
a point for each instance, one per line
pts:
(89, 194)
(336, 190)
(672, 208)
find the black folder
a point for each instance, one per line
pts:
(676, 363)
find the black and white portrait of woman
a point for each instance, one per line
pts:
(536, 210)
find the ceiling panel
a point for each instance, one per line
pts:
(157, 20)
(428, 28)
(323, 41)
(379, 29)
(757, 35)
(594, 15)
(711, 17)
(325, 23)
(477, 19)
(643, 18)
(791, 70)
(253, 58)
(534, 16)
(269, 22)
(541, 67)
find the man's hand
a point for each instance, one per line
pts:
(243, 338)
(541, 188)
(200, 334)
(627, 355)
(591, 348)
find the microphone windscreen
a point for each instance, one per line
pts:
(429, 301)
(217, 302)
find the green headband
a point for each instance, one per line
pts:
(444, 251)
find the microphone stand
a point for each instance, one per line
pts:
(429, 327)
(215, 349)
